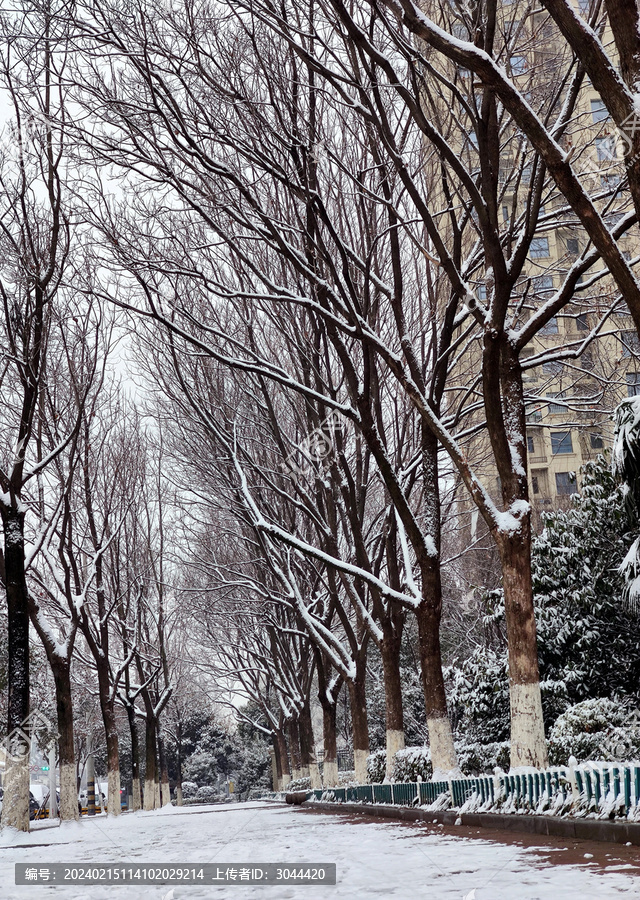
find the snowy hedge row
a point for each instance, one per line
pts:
(414, 763)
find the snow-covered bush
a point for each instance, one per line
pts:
(189, 789)
(475, 758)
(299, 784)
(377, 766)
(478, 688)
(202, 767)
(207, 794)
(346, 778)
(595, 729)
(412, 763)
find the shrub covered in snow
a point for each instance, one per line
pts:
(189, 789)
(345, 778)
(207, 794)
(201, 767)
(475, 758)
(593, 730)
(412, 763)
(377, 766)
(478, 688)
(299, 784)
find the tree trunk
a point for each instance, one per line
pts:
(281, 754)
(443, 753)
(506, 422)
(15, 806)
(135, 757)
(149, 800)
(390, 652)
(528, 744)
(308, 747)
(359, 723)
(107, 707)
(329, 735)
(293, 733)
(276, 762)
(179, 764)
(165, 791)
(328, 692)
(66, 744)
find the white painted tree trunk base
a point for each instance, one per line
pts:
(149, 795)
(68, 793)
(15, 802)
(330, 773)
(443, 752)
(156, 795)
(360, 764)
(113, 800)
(136, 798)
(314, 774)
(165, 792)
(528, 744)
(178, 796)
(285, 781)
(395, 742)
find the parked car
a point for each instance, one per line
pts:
(34, 806)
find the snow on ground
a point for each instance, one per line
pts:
(374, 858)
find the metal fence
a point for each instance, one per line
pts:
(600, 789)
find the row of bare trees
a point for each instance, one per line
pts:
(325, 226)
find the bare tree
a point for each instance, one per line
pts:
(35, 235)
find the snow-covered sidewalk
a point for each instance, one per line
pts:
(385, 859)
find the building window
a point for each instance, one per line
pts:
(630, 343)
(596, 441)
(581, 322)
(530, 444)
(460, 31)
(542, 286)
(586, 360)
(534, 484)
(534, 413)
(556, 408)
(599, 112)
(552, 367)
(606, 148)
(518, 65)
(550, 327)
(609, 182)
(539, 247)
(633, 384)
(573, 248)
(481, 291)
(561, 442)
(566, 483)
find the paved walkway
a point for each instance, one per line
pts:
(373, 858)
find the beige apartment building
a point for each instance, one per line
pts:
(570, 417)
(571, 400)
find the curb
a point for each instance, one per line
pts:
(579, 829)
